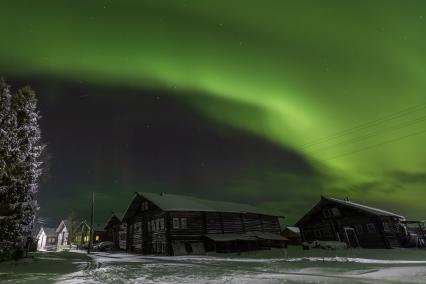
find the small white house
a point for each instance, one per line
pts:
(46, 239)
(63, 233)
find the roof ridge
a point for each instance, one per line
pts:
(348, 202)
(176, 202)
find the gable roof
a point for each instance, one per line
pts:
(83, 224)
(49, 231)
(96, 226)
(114, 216)
(349, 204)
(64, 223)
(175, 202)
(368, 209)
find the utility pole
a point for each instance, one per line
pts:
(91, 224)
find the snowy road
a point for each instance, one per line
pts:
(125, 268)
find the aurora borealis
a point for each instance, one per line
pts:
(268, 102)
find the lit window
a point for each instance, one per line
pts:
(175, 223)
(183, 223)
(97, 237)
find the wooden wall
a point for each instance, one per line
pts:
(161, 240)
(123, 236)
(320, 227)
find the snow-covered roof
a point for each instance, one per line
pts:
(174, 202)
(114, 216)
(372, 210)
(356, 206)
(294, 229)
(64, 223)
(49, 231)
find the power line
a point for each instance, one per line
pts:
(366, 125)
(373, 146)
(373, 134)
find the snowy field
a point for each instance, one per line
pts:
(314, 266)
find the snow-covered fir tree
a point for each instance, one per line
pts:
(20, 151)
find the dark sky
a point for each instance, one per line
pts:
(273, 103)
(116, 140)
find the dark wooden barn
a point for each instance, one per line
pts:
(169, 224)
(356, 224)
(112, 229)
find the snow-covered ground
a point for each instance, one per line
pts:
(388, 266)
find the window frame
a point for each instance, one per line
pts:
(371, 228)
(176, 223)
(184, 223)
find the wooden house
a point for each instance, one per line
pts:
(99, 234)
(46, 239)
(170, 224)
(82, 234)
(355, 224)
(62, 232)
(112, 229)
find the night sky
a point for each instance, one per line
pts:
(272, 103)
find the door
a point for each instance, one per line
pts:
(351, 237)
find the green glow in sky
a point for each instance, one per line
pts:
(310, 69)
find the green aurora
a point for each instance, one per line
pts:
(343, 83)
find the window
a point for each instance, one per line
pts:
(371, 229)
(386, 227)
(145, 206)
(359, 229)
(183, 223)
(97, 238)
(326, 213)
(153, 225)
(336, 211)
(162, 224)
(149, 226)
(175, 223)
(138, 227)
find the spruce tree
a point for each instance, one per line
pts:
(20, 151)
